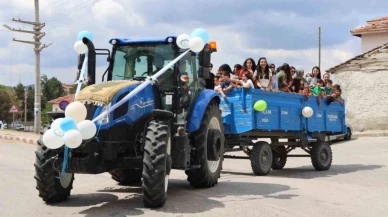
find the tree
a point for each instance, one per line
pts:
(6, 103)
(19, 91)
(52, 89)
(73, 88)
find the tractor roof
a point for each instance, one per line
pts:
(123, 41)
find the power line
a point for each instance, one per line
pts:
(55, 3)
(70, 10)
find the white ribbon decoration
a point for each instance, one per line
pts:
(139, 88)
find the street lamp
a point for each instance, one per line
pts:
(7, 27)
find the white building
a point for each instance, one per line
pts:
(364, 79)
(373, 34)
(57, 101)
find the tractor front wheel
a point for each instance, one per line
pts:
(156, 164)
(52, 186)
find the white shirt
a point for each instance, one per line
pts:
(248, 81)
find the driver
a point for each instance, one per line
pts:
(166, 78)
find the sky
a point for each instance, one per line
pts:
(283, 31)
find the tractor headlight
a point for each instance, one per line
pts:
(104, 119)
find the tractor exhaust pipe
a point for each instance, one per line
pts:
(91, 61)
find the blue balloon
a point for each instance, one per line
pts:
(84, 34)
(202, 34)
(67, 124)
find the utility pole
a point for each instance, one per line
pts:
(38, 48)
(319, 48)
(25, 107)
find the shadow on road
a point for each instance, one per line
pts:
(79, 200)
(182, 198)
(308, 172)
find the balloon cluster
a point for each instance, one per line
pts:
(70, 130)
(195, 42)
(79, 46)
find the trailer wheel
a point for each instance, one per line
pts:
(204, 140)
(126, 176)
(321, 156)
(52, 186)
(348, 135)
(157, 149)
(261, 158)
(279, 157)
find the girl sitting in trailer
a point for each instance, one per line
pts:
(246, 81)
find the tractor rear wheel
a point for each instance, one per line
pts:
(156, 164)
(52, 186)
(261, 158)
(126, 176)
(208, 142)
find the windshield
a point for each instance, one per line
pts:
(140, 60)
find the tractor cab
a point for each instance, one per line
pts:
(177, 88)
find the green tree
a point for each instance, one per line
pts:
(6, 102)
(52, 89)
(73, 88)
(19, 91)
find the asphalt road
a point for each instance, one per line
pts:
(356, 185)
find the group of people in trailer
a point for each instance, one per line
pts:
(267, 77)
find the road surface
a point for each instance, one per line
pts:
(356, 185)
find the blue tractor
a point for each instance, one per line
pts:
(175, 123)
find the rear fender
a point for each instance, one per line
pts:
(199, 108)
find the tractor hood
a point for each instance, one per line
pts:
(103, 93)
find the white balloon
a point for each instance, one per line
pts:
(196, 44)
(72, 138)
(350, 115)
(307, 112)
(183, 41)
(80, 47)
(56, 124)
(87, 129)
(53, 138)
(77, 111)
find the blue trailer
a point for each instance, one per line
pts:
(282, 119)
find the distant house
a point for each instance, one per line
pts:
(56, 102)
(373, 34)
(67, 87)
(363, 79)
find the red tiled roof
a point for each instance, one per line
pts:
(68, 98)
(373, 25)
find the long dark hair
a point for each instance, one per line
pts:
(258, 70)
(319, 72)
(253, 64)
(286, 68)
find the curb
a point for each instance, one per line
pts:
(380, 134)
(19, 138)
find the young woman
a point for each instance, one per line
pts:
(262, 75)
(284, 75)
(238, 70)
(316, 74)
(249, 66)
